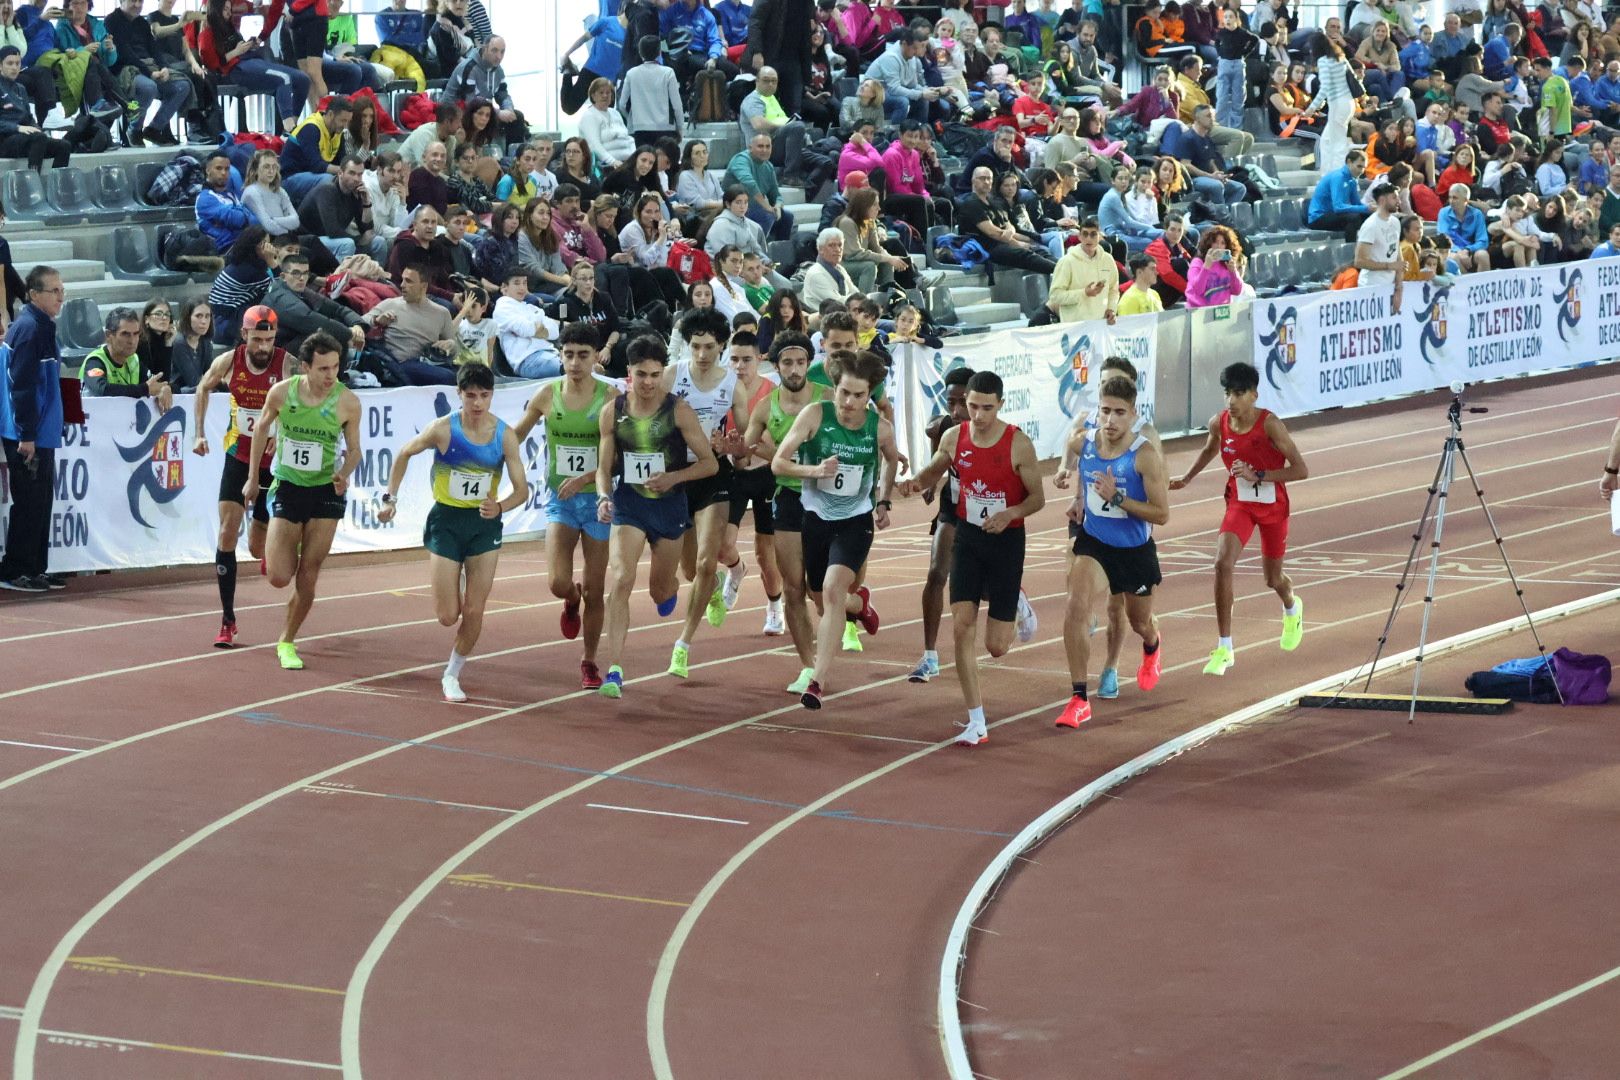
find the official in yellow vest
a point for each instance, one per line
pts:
(114, 369)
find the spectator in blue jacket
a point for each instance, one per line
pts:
(705, 51)
(1117, 221)
(221, 214)
(407, 31)
(79, 31)
(1497, 58)
(31, 433)
(732, 15)
(1417, 60)
(23, 28)
(1606, 94)
(1448, 46)
(1336, 204)
(20, 137)
(311, 154)
(1465, 226)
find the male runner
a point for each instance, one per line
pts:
(846, 499)
(709, 388)
(998, 485)
(768, 425)
(1260, 459)
(463, 531)
(640, 441)
(309, 410)
(247, 372)
(572, 409)
(751, 482)
(1123, 495)
(943, 528)
(1108, 681)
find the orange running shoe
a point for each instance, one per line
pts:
(1077, 712)
(1147, 676)
(570, 621)
(590, 677)
(226, 638)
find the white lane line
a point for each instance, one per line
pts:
(1502, 1025)
(11, 1012)
(42, 746)
(665, 813)
(74, 738)
(333, 789)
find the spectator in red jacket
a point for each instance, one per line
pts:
(1172, 253)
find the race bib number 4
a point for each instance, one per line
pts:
(469, 486)
(572, 461)
(846, 481)
(1097, 506)
(639, 468)
(297, 454)
(1256, 491)
(981, 509)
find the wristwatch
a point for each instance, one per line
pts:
(1118, 500)
(884, 503)
(1260, 475)
(387, 498)
(1611, 472)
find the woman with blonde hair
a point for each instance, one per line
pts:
(271, 206)
(604, 129)
(863, 106)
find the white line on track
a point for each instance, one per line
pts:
(42, 746)
(665, 813)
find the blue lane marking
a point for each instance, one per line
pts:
(262, 718)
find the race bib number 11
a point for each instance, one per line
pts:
(639, 468)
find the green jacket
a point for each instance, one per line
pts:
(101, 376)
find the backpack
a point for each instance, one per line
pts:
(710, 97)
(1516, 682)
(1583, 679)
(963, 251)
(690, 262)
(962, 141)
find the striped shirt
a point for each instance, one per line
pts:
(1332, 78)
(478, 22)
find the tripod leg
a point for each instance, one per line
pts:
(1448, 468)
(1501, 549)
(1411, 561)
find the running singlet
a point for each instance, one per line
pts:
(1255, 448)
(306, 452)
(848, 492)
(248, 389)
(779, 423)
(987, 482)
(1111, 524)
(573, 438)
(712, 406)
(647, 445)
(466, 473)
(766, 386)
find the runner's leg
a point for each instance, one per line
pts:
(1227, 551)
(840, 581)
(444, 577)
(707, 532)
(318, 534)
(596, 569)
(480, 579)
(1086, 580)
(560, 543)
(230, 528)
(795, 598)
(933, 599)
(281, 551)
(625, 544)
(1278, 581)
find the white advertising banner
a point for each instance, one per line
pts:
(131, 493)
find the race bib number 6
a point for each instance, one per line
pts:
(639, 468)
(846, 481)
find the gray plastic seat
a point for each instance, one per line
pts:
(68, 191)
(133, 259)
(25, 196)
(79, 325)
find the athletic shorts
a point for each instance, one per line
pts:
(845, 542)
(753, 486)
(1132, 570)
(664, 518)
(1243, 518)
(702, 494)
(578, 513)
(234, 476)
(458, 533)
(988, 565)
(300, 505)
(946, 514)
(308, 37)
(787, 510)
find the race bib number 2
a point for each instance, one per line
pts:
(469, 486)
(576, 460)
(1097, 506)
(639, 468)
(247, 420)
(297, 454)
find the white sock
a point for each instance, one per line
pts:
(976, 716)
(1225, 643)
(457, 662)
(932, 656)
(682, 645)
(775, 606)
(1292, 611)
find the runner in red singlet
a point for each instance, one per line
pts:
(1260, 459)
(247, 372)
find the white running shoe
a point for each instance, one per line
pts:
(734, 580)
(973, 734)
(1027, 623)
(452, 689)
(774, 624)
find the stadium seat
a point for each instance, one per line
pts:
(132, 259)
(80, 324)
(941, 306)
(115, 191)
(934, 234)
(145, 173)
(1032, 294)
(68, 192)
(24, 192)
(1244, 217)
(263, 109)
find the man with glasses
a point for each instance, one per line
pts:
(302, 311)
(31, 433)
(1464, 225)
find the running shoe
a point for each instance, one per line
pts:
(1293, 626)
(799, 685)
(226, 638)
(1027, 622)
(287, 653)
(774, 624)
(104, 108)
(613, 685)
(733, 585)
(452, 688)
(54, 581)
(868, 617)
(1108, 685)
(677, 661)
(1147, 676)
(811, 698)
(24, 583)
(716, 611)
(590, 676)
(925, 670)
(852, 637)
(570, 621)
(973, 734)
(1219, 661)
(667, 607)
(1075, 713)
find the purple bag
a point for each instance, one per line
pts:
(1582, 679)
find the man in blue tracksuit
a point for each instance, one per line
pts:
(31, 432)
(1336, 204)
(705, 49)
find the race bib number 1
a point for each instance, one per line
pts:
(576, 460)
(297, 454)
(639, 468)
(469, 486)
(846, 481)
(1256, 491)
(981, 510)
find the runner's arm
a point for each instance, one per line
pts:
(267, 420)
(1150, 467)
(349, 413)
(605, 450)
(757, 435)
(436, 436)
(1277, 432)
(1028, 465)
(1206, 454)
(533, 413)
(512, 452)
(696, 441)
(934, 471)
(1611, 464)
(1070, 459)
(882, 499)
(783, 462)
(214, 376)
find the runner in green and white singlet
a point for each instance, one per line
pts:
(836, 448)
(572, 408)
(309, 411)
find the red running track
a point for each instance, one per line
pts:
(218, 869)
